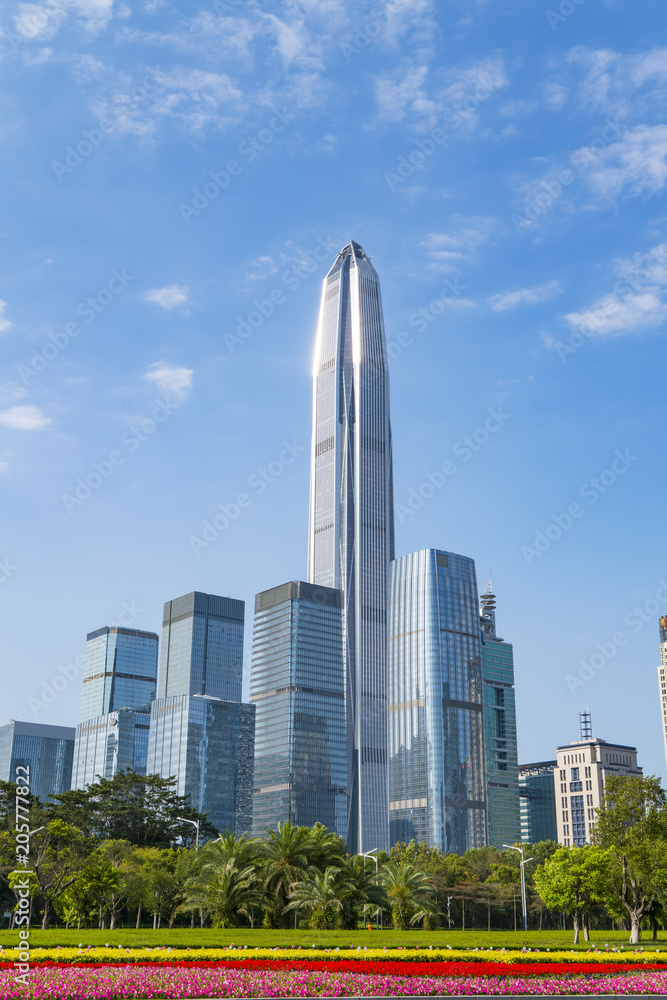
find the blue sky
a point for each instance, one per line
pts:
(177, 180)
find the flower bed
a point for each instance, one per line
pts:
(170, 982)
(90, 955)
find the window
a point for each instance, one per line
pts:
(574, 776)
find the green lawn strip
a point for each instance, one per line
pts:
(180, 937)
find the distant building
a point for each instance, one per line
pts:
(120, 676)
(298, 688)
(437, 753)
(200, 733)
(662, 679)
(502, 762)
(582, 769)
(46, 750)
(537, 802)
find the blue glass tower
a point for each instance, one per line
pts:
(437, 754)
(500, 723)
(200, 733)
(298, 689)
(351, 530)
(46, 750)
(120, 675)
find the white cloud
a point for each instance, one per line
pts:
(4, 322)
(634, 166)
(525, 296)
(261, 268)
(638, 302)
(24, 418)
(170, 379)
(168, 297)
(457, 245)
(610, 82)
(35, 22)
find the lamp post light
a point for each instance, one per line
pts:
(195, 823)
(371, 854)
(449, 912)
(524, 907)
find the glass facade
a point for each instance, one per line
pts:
(207, 744)
(120, 671)
(107, 744)
(351, 531)
(502, 763)
(437, 754)
(537, 799)
(298, 689)
(202, 647)
(46, 750)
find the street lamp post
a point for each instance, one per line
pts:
(449, 912)
(195, 823)
(524, 907)
(371, 854)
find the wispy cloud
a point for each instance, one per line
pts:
(168, 297)
(457, 245)
(169, 378)
(4, 322)
(525, 296)
(634, 166)
(24, 418)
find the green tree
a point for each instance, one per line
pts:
(225, 881)
(631, 825)
(573, 880)
(285, 860)
(321, 895)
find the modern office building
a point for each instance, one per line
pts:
(502, 763)
(537, 802)
(120, 676)
(207, 744)
(437, 753)
(200, 733)
(582, 769)
(120, 671)
(351, 531)
(662, 679)
(298, 689)
(46, 751)
(107, 744)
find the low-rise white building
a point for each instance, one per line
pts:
(580, 774)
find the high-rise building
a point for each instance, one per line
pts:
(581, 771)
(120, 675)
(200, 733)
(120, 671)
(662, 679)
(45, 750)
(437, 754)
(502, 762)
(297, 687)
(351, 532)
(537, 802)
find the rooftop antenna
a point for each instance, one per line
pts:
(585, 725)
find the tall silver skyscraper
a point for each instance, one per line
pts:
(351, 531)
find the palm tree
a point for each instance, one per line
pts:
(321, 895)
(285, 860)
(364, 889)
(410, 891)
(225, 891)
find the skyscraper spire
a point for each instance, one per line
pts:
(351, 531)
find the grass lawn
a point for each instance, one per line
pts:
(186, 938)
